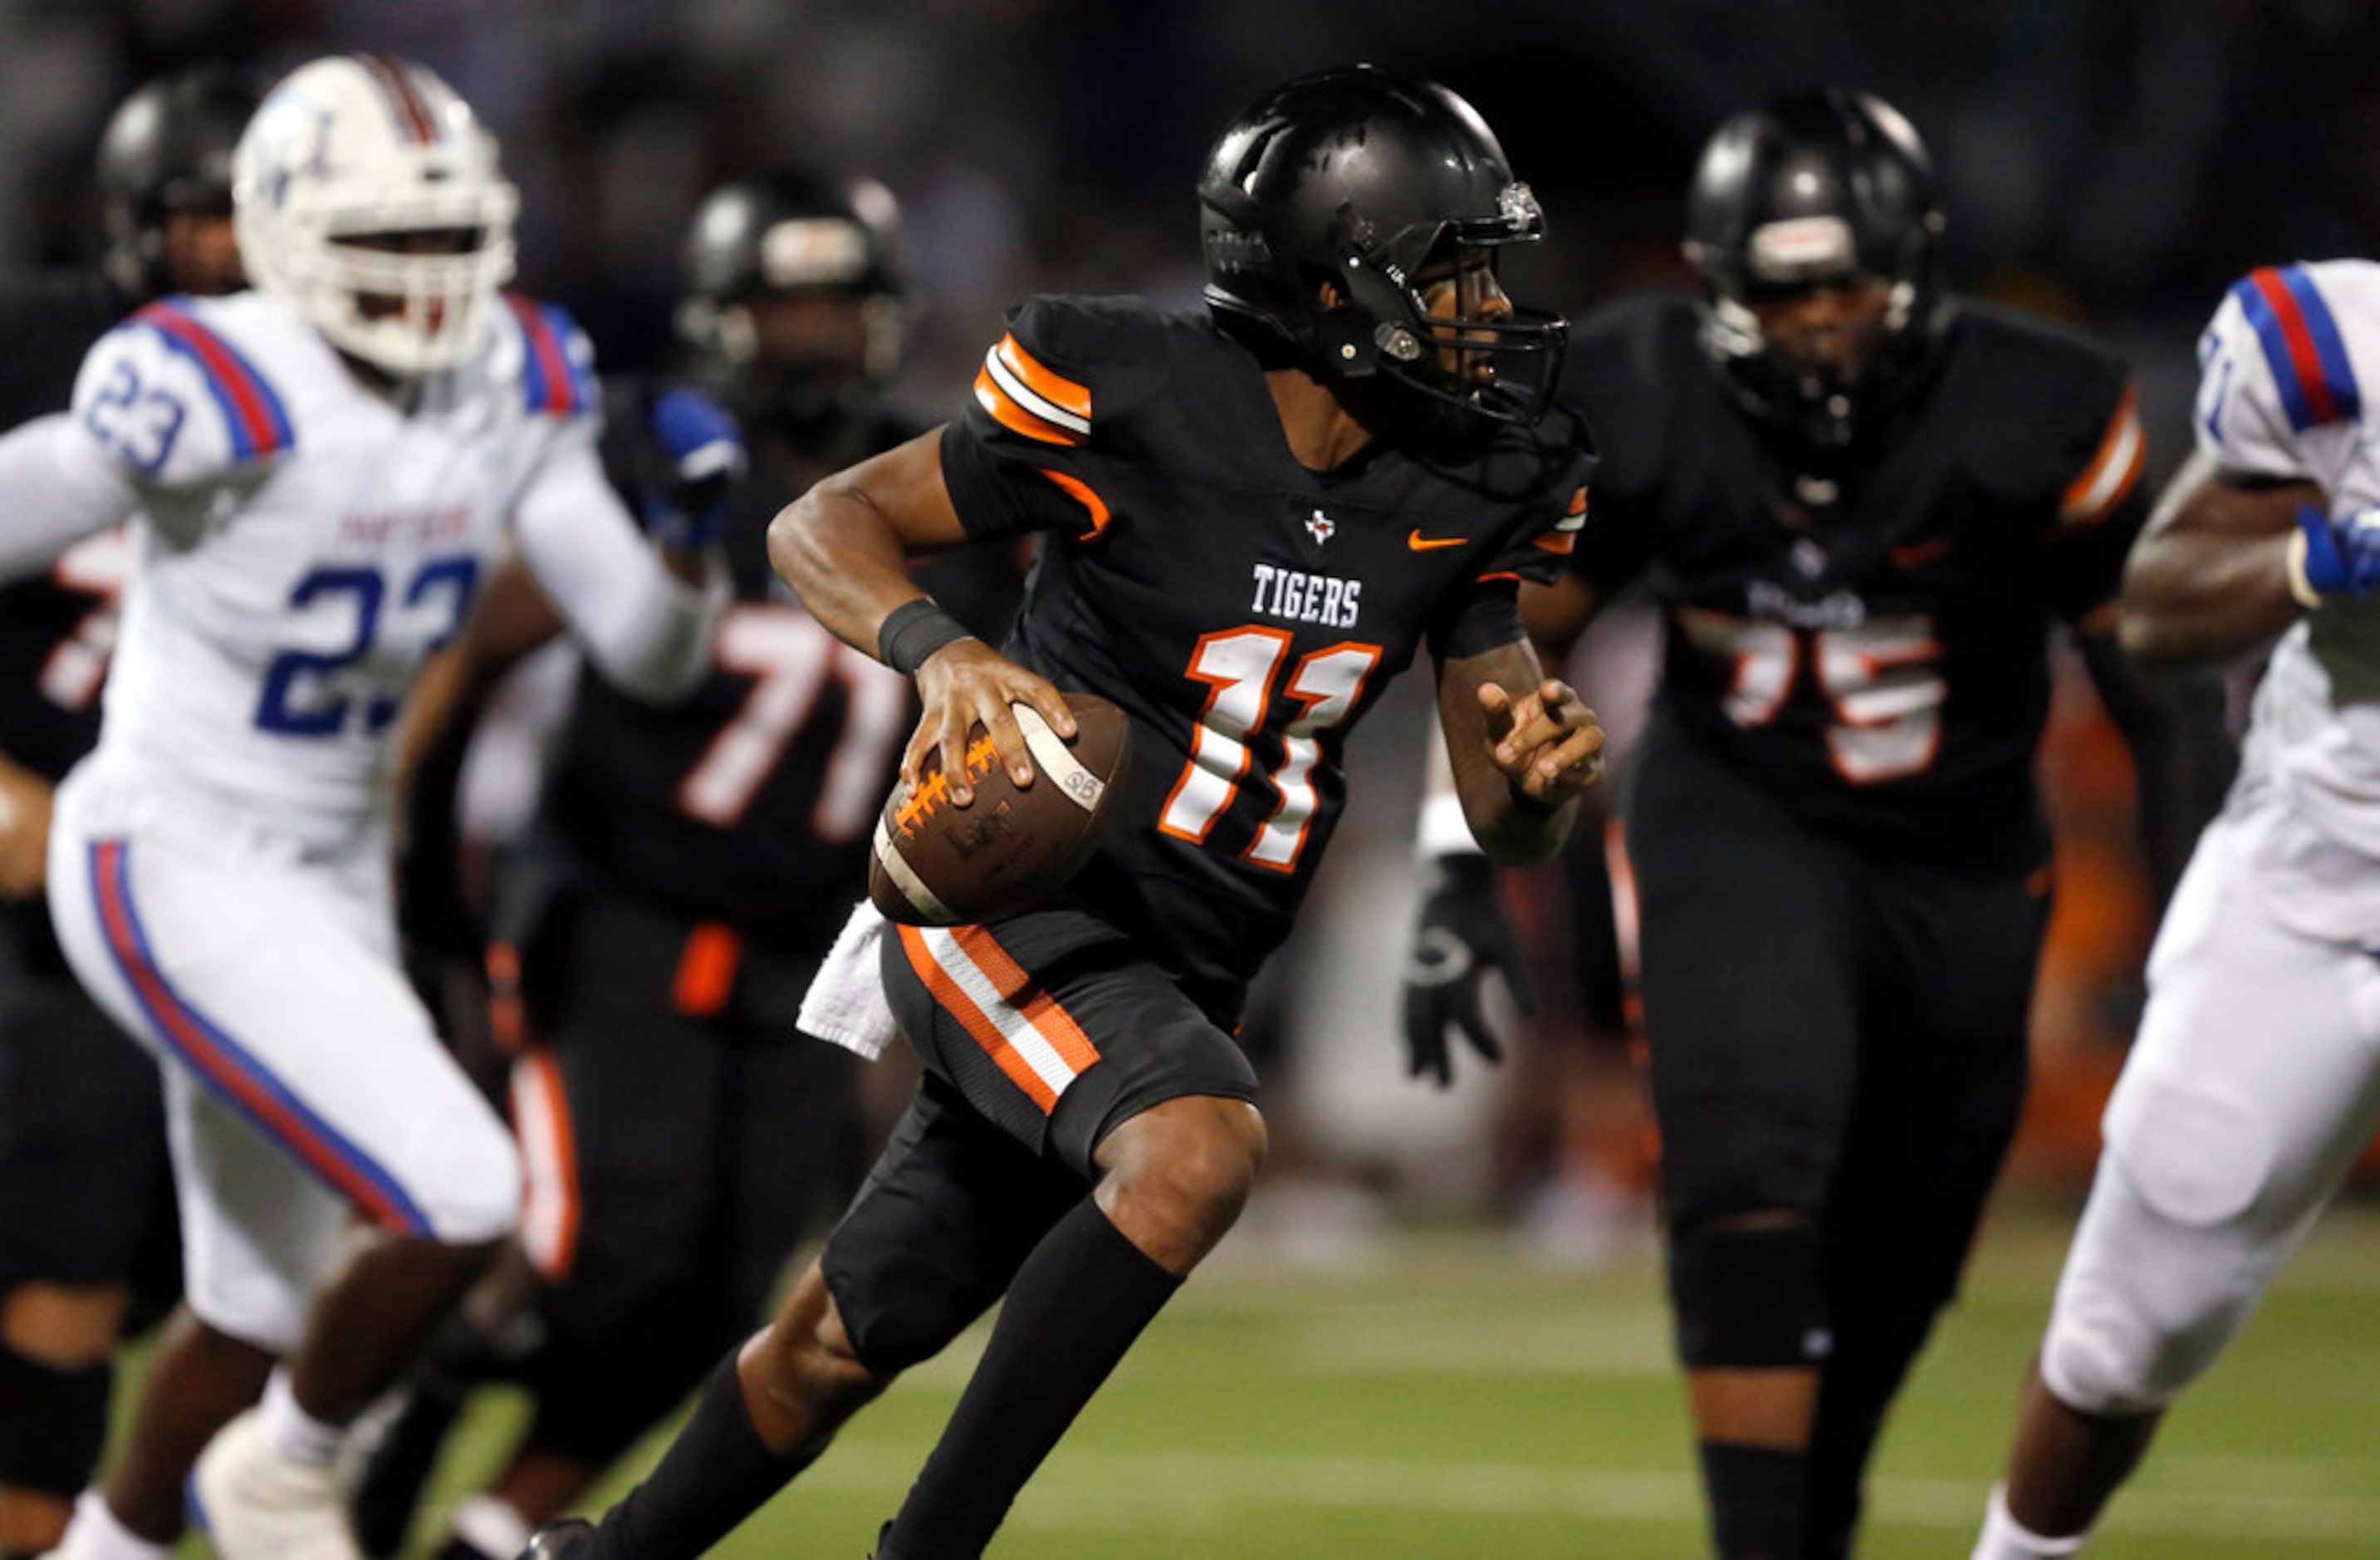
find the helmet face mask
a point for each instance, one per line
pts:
(366, 193)
(1325, 206)
(1814, 227)
(797, 308)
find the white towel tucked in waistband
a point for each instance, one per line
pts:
(846, 1002)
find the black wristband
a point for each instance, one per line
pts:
(913, 631)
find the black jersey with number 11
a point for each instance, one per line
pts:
(1245, 611)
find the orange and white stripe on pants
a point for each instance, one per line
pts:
(1021, 1028)
(549, 1151)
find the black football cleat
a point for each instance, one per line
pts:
(390, 1491)
(560, 1540)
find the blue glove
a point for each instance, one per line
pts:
(2340, 558)
(699, 458)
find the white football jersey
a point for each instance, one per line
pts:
(303, 543)
(2282, 367)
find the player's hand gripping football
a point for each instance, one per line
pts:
(1461, 939)
(1546, 742)
(966, 683)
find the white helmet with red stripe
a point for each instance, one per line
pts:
(367, 193)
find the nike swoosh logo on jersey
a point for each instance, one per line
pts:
(1421, 543)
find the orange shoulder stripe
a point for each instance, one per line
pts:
(1056, 389)
(1005, 410)
(2114, 470)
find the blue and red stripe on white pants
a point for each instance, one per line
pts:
(304, 1081)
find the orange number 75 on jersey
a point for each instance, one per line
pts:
(1883, 679)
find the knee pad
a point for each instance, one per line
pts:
(892, 1326)
(52, 1423)
(2145, 1304)
(1748, 1297)
(2198, 1152)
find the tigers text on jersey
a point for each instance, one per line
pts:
(1866, 632)
(2282, 369)
(1242, 610)
(302, 543)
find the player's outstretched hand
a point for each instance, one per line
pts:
(1546, 742)
(700, 453)
(968, 683)
(1461, 938)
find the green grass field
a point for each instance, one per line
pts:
(1448, 1399)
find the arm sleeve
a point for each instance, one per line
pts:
(60, 487)
(647, 631)
(2278, 391)
(1026, 455)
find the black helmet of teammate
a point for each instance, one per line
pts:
(1357, 178)
(793, 233)
(1823, 187)
(167, 149)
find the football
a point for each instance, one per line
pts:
(941, 865)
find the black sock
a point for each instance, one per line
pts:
(715, 1474)
(1077, 1305)
(1840, 1448)
(1756, 1500)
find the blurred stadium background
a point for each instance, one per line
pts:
(1439, 1332)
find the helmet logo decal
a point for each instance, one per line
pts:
(1519, 209)
(1237, 248)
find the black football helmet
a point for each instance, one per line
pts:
(1822, 187)
(796, 232)
(1357, 178)
(167, 149)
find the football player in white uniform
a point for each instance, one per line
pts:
(2255, 1080)
(317, 473)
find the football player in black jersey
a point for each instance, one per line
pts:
(690, 865)
(1253, 520)
(1862, 506)
(85, 1198)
